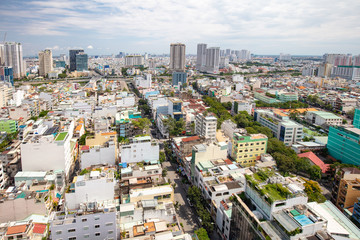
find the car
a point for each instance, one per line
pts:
(190, 204)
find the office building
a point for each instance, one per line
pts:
(45, 62)
(346, 185)
(72, 57)
(175, 108)
(7, 75)
(281, 126)
(177, 57)
(205, 126)
(323, 118)
(13, 56)
(287, 96)
(212, 60)
(143, 81)
(343, 144)
(356, 121)
(356, 212)
(134, 60)
(81, 62)
(178, 78)
(246, 149)
(201, 56)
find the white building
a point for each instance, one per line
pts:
(3, 176)
(140, 149)
(323, 118)
(95, 187)
(48, 153)
(100, 225)
(126, 101)
(283, 129)
(13, 56)
(205, 126)
(6, 93)
(45, 62)
(242, 105)
(105, 155)
(134, 60)
(143, 82)
(160, 124)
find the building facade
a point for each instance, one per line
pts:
(72, 58)
(205, 126)
(45, 62)
(13, 56)
(81, 62)
(177, 57)
(201, 56)
(343, 144)
(178, 78)
(246, 149)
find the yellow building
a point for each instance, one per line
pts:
(246, 149)
(346, 187)
(100, 138)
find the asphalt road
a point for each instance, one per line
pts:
(185, 212)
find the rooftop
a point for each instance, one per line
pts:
(61, 136)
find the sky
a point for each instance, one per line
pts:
(305, 27)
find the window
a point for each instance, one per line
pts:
(72, 238)
(58, 232)
(72, 230)
(86, 236)
(110, 232)
(97, 234)
(109, 224)
(84, 220)
(86, 228)
(97, 226)
(96, 218)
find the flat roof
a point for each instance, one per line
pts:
(354, 130)
(326, 114)
(151, 191)
(61, 136)
(30, 174)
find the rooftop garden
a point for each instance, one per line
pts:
(271, 192)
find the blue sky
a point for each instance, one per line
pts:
(110, 26)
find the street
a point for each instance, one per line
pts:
(185, 212)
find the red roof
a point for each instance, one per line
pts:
(317, 161)
(85, 147)
(39, 228)
(189, 139)
(228, 161)
(16, 229)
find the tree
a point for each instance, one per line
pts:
(162, 157)
(315, 172)
(344, 121)
(142, 123)
(164, 172)
(202, 234)
(313, 190)
(351, 113)
(174, 127)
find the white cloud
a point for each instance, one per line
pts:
(247, 24)
(90, 47)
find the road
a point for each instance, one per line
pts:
(185, 212)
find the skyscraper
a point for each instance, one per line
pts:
(45, 62)
(14, 58)
(212, 59)
(72, 57)
(201, 56)
(177, 57)
(2, 55)
(81, 61)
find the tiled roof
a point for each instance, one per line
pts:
(16, 229)
(317, 161)
(189, 139)
(39, 228)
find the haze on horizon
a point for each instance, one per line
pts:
(109, 26)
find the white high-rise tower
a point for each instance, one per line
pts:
(201, 56)
(177, 57)
(45, 62)
(14, 58)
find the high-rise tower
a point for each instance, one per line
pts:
(177, 57)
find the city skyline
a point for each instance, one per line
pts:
(109, 26)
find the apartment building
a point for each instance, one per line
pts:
(140, 149)
(346, 187)
(283, 129)
(205, 126)
(8, 126)
(247, 149)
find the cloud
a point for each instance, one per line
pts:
(90, 47)
(262, 25)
